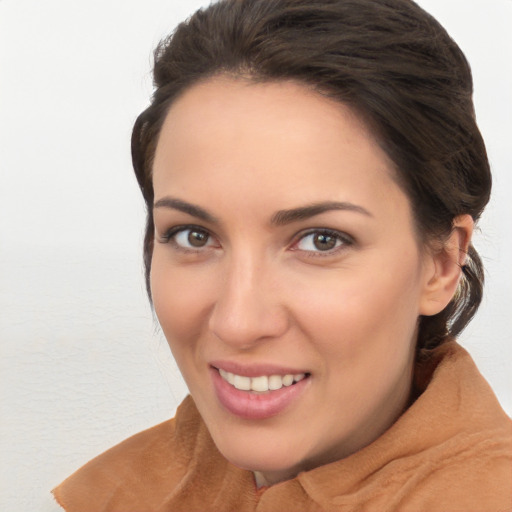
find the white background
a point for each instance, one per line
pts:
(82, 364)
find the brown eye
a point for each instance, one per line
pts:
(324, 242)
(192, 238)
(197, 238)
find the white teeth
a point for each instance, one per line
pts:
(230, 377)
(275, 382)
(287, 380)
(243, 383)
(261, 383)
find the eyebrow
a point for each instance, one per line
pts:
(183, 206)
(280, 218)
(283, 217)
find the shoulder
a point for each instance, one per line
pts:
(467, 459)
(142, 465)
(470, 472)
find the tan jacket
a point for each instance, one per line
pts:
(450, 451)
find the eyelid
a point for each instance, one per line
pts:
(169, 234)
(346, 241)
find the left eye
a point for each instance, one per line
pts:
(192, 238)
(320, 241)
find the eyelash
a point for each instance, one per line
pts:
(170, 237)
(345, 240)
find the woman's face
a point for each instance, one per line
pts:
(284, 252)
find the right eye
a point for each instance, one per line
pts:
(192, 238)
(189, 238)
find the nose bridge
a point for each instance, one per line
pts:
(247, 306)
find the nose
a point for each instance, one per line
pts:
(248, 307)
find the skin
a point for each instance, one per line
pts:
(253, 291)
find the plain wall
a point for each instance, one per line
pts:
(82, 363)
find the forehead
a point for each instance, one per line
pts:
(281, 141)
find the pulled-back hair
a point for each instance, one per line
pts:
(388, 60)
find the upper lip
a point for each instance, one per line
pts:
(255, 369)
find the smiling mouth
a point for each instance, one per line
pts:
(262, 383)
(263, 392)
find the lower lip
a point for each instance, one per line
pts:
(255, 406)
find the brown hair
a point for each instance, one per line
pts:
(387, 59)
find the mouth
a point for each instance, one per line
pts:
(260, 395)
(261, 383)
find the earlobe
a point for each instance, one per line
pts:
(444, 267)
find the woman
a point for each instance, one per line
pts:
(313, 172)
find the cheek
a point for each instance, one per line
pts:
(358, 310)
(180, 299)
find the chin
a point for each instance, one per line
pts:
(262, 462)
(262, 451)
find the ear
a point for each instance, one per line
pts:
(443, 267)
